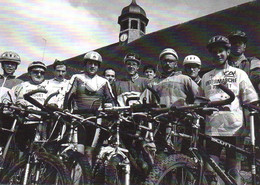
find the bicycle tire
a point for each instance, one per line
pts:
(48, 169)
(174, 169)
(78, 161)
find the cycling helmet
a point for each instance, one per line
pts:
(237, 35)
(168, 51)
(133, 57)
(218, 40)
(37, 64)
(93, 55)
(192, 59)
(10, 56)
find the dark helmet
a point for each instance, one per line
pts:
(218, 40)
(37, 64)
(132, 56)
(237, 35)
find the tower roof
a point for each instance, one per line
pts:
(133, 10)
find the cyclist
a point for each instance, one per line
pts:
(132, 85)
(237, 58)
(87, 90)
(228, 123)
(149, 71)
(58, 83)
(36, 71)
(192, 65)
(172, 88)
(251, 65)
(9, 61)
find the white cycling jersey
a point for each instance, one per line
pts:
(53, 86)
(228, 122)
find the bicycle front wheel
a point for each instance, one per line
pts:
(174, 169)
(44, 169)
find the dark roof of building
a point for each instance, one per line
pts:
(187, 38)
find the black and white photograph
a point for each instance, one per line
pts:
(130, 92)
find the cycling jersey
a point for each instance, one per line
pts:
(247, 64)
(54, 86)
(26, 87)
(87, 93)
(6, 83)
(177, 89)
(130, 87)
(230, 121)
(20, 90)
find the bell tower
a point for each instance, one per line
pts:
(133, 22)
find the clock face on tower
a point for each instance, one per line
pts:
(123, 37)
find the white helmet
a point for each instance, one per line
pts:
(10, 56)
(37, 64)
(192, 59)
(93, 55)
(168, 51)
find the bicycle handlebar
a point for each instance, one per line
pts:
(27, 97)
(30, 111)
(252, 106)
(201, 105)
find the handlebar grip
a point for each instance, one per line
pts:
(251, 106)
(223, 102)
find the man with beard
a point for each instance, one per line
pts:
(132, 85)
(171, 88)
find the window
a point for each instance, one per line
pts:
(124, 25)
(142, 27)
(134, 24)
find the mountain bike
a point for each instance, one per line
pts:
(62, 140)
(190, 169)
(115, 164)
(36, 166)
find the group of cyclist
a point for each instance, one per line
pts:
(85, 92)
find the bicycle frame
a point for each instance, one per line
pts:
(108, 152)
(201, 155)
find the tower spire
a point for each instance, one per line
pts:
(133, 2)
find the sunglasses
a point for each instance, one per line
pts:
(37, 72)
